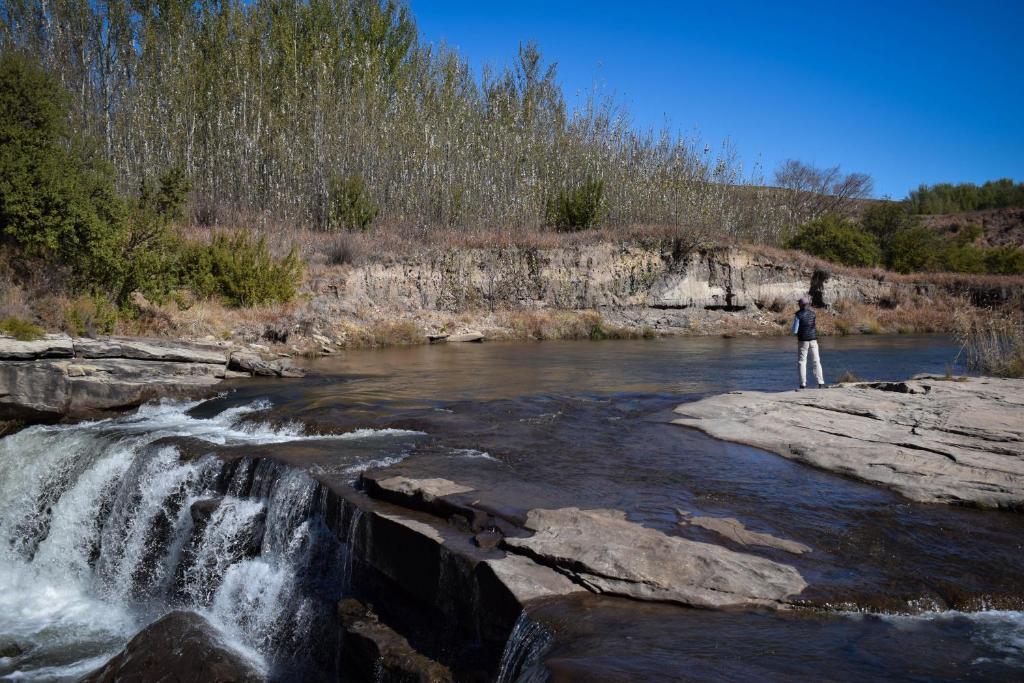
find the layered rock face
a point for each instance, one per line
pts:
(629, 282)
(932, 439)
(57, 376)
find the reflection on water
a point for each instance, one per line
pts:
(586, 424)
(561, 424)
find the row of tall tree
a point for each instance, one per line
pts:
(950, 198)
(271, 106)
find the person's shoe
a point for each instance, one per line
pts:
(802, 386)
(821, 386)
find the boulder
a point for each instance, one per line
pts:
(151, 349)
(471, 336)
(932, 439)
(50, 346)
(181, 646)
(373, 651)
(602, 550)
(9, 648)
(488, 540)
(246, 361)
(203, 508)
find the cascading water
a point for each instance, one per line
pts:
(103, 530)
(525, 646)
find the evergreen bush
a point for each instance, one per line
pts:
(349, 204)
(577, 208)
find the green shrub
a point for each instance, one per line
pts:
(349, 206)
(57, 197)
(90, 315)
(240, 270)
(964, 258)
(1004, 260)
(916, 249)
(884, 220)
(837, 239)
(577, 208)
(21, 329)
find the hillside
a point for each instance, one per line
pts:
(1000, 227)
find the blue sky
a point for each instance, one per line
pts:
(909, 92)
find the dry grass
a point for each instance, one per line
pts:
(545, 324)
(914, 315)
(398, 240)
(993, 344)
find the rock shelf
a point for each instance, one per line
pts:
(60, 377)
(932, 439)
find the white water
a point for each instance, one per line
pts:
(97, 539)
(1000, 633)
(525, 646)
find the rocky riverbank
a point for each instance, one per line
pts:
(60, 377)
(933, 439)
(595, 290)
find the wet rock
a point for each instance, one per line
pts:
(9, 648)
(488, 540)
(181, 646)
(931, 439)
(50, 346)
(373, 651)
(203, 508)
(735, 531)
(151, 349)
(603, 551)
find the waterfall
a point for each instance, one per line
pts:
(526, 644)
(104, 528)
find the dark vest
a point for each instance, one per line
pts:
(807, 331)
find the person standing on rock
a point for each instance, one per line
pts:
(806, 332)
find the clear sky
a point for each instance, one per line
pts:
(907, 91)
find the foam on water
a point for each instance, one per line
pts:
(98, 538)
(1001, 632)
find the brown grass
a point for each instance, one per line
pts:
(993, 344)
(914, 315)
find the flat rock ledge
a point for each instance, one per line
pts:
(606, 553)
(932, 439)
(60, 377)
(567, 550)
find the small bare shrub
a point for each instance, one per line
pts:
(847, 376)
(344, 250)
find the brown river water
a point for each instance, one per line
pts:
(585, 424)
(897, 590)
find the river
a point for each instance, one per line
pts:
(97, 538)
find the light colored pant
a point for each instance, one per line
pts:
(802, 362)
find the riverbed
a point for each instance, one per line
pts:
(897, 590)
